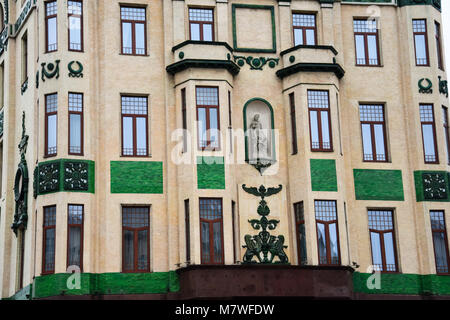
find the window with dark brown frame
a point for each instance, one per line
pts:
(301, 233)
(76, 124)
(233, 224)
(208, 118)
(136, 239)
(366, 42)
(437, 28)
(382, 239)
(230, 122)
(305, 29)
(430, 148)
(75, 235)
(211, 230)
(293, 123)
(25, 57)
(446, 131)
(327, 232)
(421, 42)
(49, 234)
(373, 128)
(134, 126)
(75, 18)
(51, 26)
(440, 241)
(187, 225)
(134, 30)
(320, 120)
(201, 24)
(21, 255)
(51, 124)
(184, 119)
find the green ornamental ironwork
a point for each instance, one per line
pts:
(264, 247)
(256, 63)
(21, 185)
(435, 186)
(75, 73)
(425, 88)
(50, 70)
(443, 87)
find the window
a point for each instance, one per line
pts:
(382, 239)
(293, 123)
(187, 224)
(51, 124)
(208, 117)
(75, 235)
(301, 233)
(233, 224)
(184, 118)
(327, 232)
(136, 239)
(373, 129)
(51, 26)
(76, 123)
(304, 29)
(428, 133)
(421, 42)
(75, 17)
(211, 231)
(134, 33)
(437, 28)
(24, 58)
(319, 120)
(230, 122)
(366, 42)
(201, 24)
(48, 251)
(134, 126)
(446, 131)
(440, 242)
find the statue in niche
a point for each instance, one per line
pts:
(258, 139)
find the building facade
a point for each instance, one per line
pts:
(183, 149)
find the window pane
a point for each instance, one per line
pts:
(314, 130)
(421, 53)
(52, 131)
(214, 127)
(142, 250)
(127, 38)
(127, 132)
(75, 33)
(373, 51)
(202, 138)
(128, 254)
(141, 132)
(310, 37)
(428, 142)
(195, 31)
(74, 250)
(298, 37)
(140, 38)
(75, 133)
(217, 234)
(49, 262)
(360, 51)
(52, 35)
(205, 242)
(390, 254)
(322, 243)
(376, 251)
(379, 142)
(302, 244)
(334, 248)
(440, 251)
(367, 142)
(207, 32)
(326, 143)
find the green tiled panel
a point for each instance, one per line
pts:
(418, 181)
(137, 177)
(383, 185)
(414, 284)
(210, 173)
(323, 175)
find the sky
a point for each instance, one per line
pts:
(446, 32)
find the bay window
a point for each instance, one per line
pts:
(75, 19)
(51, 124)
(211, 231)
(51, 26)
(429, 133)
(208, 117)
(327, 232)
(320, 120)
(75, 235)
(76, 123)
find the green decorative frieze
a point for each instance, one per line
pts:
(323, 175)
(64, 175)
(264, 248)
(75, 72)
(210, 173)
(256, 63)
(144, 177)
(50, 70)
(382, 185)
(432, 186)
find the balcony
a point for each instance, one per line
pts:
(310, 59)
(202, 54)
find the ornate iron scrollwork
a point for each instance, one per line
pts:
(48, 177)
(435, 186)
(264, 246)
(76, 176)
(443, 87)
